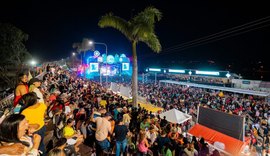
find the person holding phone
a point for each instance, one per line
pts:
(72, 136)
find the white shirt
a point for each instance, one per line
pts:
(39, 95)
(67, 110)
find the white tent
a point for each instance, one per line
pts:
(175, 116)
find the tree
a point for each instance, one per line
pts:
(83, 46)
(140, 28)
(13, 52)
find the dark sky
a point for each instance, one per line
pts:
(54, 25)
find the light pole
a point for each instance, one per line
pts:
(33, 64)
(189, 73)
(73, 58)
(228, 75)
(155, 78)
(106, 50)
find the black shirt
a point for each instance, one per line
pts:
(120, 132)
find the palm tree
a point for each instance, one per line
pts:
(139, 28)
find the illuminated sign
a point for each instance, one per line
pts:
(123, 55)
(93, 67)
(100, 59)
(176, 71)
(110, 59)
(228, 75)
(245, 82)
(154, 69)
(207, 73)
(125, 66)
(96, 54)
(103, 70)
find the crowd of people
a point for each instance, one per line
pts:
(84, 112)
(187, 99)
(216, 81)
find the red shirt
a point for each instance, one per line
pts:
(18, 97)
(60, 107)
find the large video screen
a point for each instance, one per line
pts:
(231, 125)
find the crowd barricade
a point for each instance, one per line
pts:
(115, 87)
(125, 91)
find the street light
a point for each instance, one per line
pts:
(33, 64)
(189, 73)
(73, 59)
(228, 75)
(106, 50)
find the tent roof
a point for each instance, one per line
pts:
(232, 145)
(175, 116)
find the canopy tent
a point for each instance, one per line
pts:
(175, 116)
(232, 145)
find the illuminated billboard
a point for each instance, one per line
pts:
(207, 73)
(154, 69)
(176, 71)
(93, 67)
(125, 66)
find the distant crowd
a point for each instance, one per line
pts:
(80, 111)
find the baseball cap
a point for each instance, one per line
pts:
(33, 80)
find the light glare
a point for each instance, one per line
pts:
(207, 72)
(155, 69)
(176, 71)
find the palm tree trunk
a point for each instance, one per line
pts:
(134, 75)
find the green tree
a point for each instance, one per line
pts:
(13, 52)
(83, 46)
(140, 28)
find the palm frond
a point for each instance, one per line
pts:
(141, 29)
(151, 40)
(149, 15)
(116, 22)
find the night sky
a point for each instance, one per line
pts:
(54, 25)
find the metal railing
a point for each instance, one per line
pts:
(8, 101)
